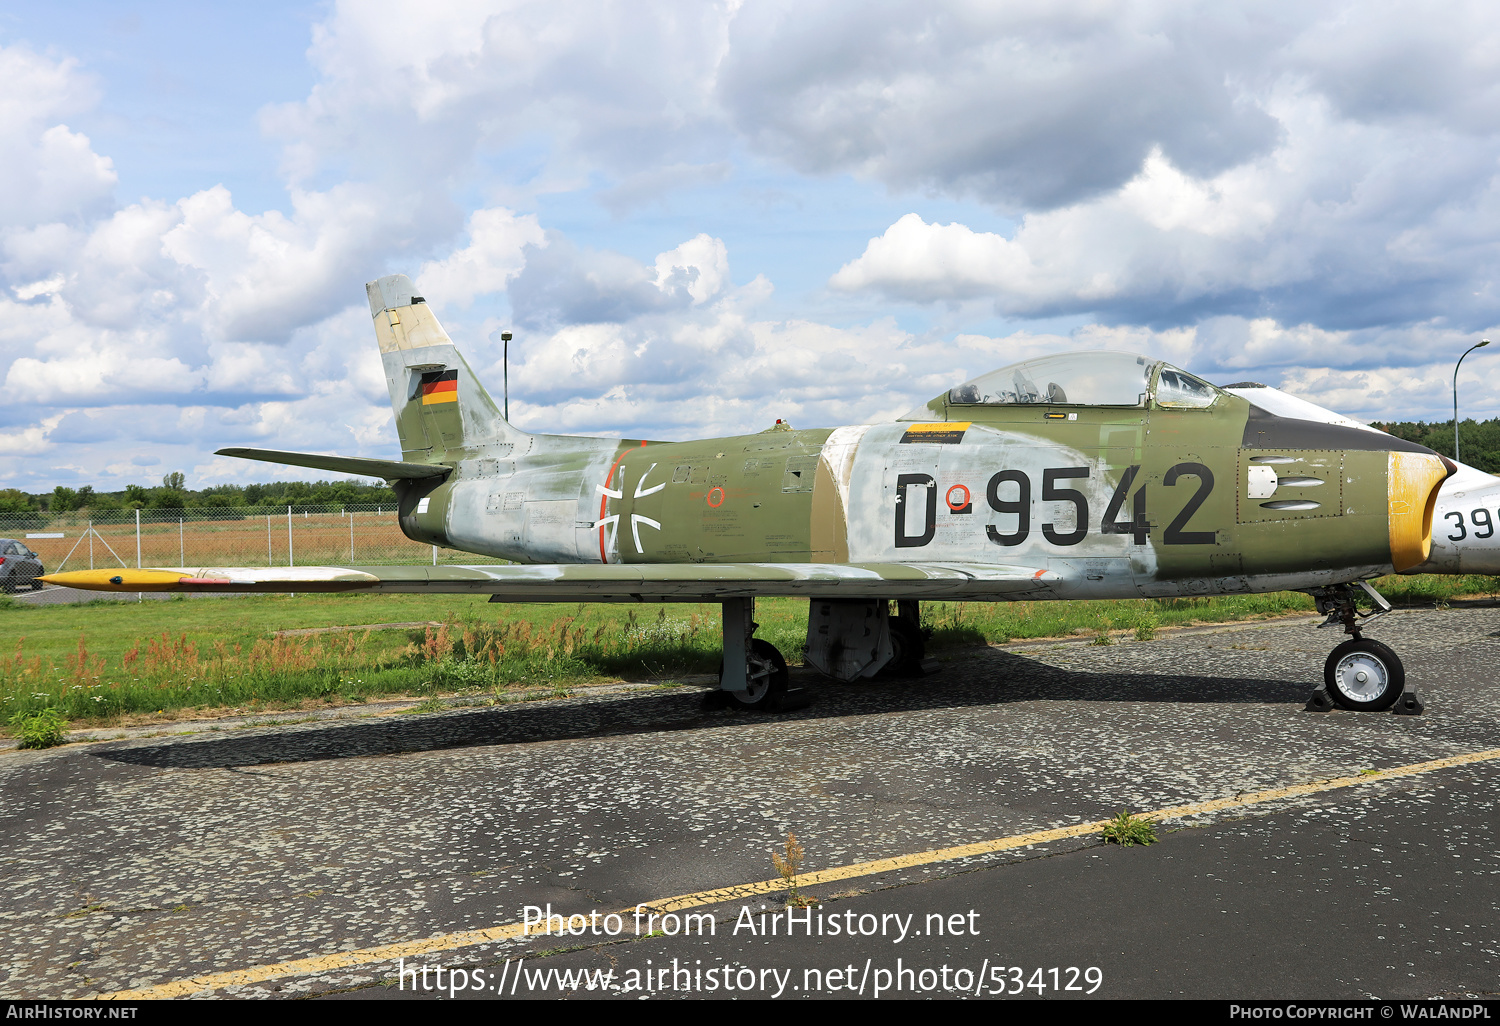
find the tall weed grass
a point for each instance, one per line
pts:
(164, 672)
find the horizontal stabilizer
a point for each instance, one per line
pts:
(630, 582)
(388, 470)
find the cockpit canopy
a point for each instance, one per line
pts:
(1101, 378)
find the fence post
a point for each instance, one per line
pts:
(91, 544)
(181, 544)
(290, 560)
(350, 514)
(268, 539)
(434, 555)
(138, 596)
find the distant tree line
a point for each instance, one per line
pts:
(173, 493)
(1478, 441)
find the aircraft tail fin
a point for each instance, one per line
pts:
(440, 406)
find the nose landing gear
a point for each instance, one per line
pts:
(1361, 674)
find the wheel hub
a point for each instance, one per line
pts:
(758, 674)
(1361, 676)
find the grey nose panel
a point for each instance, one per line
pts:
(1265, 430)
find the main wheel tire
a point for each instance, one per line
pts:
(768, 677)
(908, 648)
(1364, 676)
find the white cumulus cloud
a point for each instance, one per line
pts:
(494, 255)
(49, 172)
(1303, 193)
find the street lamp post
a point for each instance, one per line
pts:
(1478, 345)
(505, 337)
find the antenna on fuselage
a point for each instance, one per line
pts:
(505, 338)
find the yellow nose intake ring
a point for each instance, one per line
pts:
(1412, 483)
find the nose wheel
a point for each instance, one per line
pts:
(1361, 674)
(1364, 675)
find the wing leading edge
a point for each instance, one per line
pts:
(631, 582)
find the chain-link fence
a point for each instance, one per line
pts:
(276, 536)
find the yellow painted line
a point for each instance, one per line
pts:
(512, 931)
(964, 851)
(319, 963)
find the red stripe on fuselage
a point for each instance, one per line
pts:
(605, 498)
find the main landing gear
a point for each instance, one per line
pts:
(1361, 674)
(859, 639)
(847, 639)
(908, 641)
(753, 674)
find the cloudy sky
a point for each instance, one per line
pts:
(700, 217)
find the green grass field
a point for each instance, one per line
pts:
(108, 660)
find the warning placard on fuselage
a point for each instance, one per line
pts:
(941, 434)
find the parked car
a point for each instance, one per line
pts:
(19, 566)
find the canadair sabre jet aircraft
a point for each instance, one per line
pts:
(1085, 475)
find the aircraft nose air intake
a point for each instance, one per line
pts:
(1412, 486)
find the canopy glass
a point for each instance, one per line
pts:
(1085, 379)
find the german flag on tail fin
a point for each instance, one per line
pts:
(440, 387)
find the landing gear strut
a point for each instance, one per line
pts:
(908, 641)
(1361, 674)
(753, 674)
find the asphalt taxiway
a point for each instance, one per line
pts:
(259, 860)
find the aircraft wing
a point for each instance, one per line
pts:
(628, 582)
(389, 470)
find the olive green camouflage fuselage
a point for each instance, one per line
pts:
(1145, 501)
(1099, 474)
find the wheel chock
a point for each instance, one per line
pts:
(789, 701)
(716, 699)
(930, 665)
(793, 699)
(1320, 701)
(1409, 704)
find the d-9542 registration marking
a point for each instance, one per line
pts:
(1009, 494)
